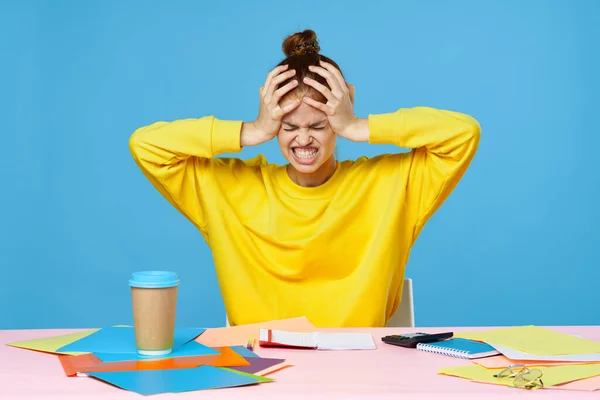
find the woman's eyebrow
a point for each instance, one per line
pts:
(310, 126)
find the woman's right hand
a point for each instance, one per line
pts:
(270, 114)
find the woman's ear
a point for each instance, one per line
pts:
(351, 89)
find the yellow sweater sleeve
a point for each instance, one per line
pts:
(175, 156)
(443, 143)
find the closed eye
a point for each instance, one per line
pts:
(314, 128)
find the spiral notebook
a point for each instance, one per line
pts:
(459, 348)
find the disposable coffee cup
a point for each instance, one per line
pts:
(154, 301)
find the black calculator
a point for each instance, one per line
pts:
(412, 339)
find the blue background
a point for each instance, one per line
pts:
(514, 244)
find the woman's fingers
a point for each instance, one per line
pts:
(274, 82)
(331, 80)
(324, 90)
(274, 72)
(279, 93)
(271, 95)
(291, 105)
(336, 73)
(282, 109)
(319, 106)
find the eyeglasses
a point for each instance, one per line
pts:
(522, 376)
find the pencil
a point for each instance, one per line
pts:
(250, 345)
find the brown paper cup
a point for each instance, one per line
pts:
(154, 319)
(154, 311)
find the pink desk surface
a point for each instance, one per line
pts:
(390, 372)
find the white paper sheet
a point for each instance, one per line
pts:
(321, 340)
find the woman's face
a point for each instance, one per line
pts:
(305, 138)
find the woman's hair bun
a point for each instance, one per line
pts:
(301, 43)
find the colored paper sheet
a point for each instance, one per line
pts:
(551, 375)
(188, 349)
(122, 340)
(503, 362)
(521, 356)
(260, 379)
(54, 343)
(589, 384)
(72, 365)
(239, 335)
(176, 380)
(261, 366)
(244, 352)
(534, 340)
(226, 357)
(274, 368)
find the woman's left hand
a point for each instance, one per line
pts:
(340, 99)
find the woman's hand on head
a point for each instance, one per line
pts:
(340, 100)
(271, 112)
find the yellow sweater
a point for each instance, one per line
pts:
(335, 253)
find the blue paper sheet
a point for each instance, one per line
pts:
(122, 340)
(148, 382)
(191, 348)
(244, 352)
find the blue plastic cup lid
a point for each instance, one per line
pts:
(153, 279)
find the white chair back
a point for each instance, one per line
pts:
(404, 317)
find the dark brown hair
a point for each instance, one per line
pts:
(302, 50)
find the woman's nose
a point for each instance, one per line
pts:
(304, 138)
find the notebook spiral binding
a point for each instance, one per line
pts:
(443, 350)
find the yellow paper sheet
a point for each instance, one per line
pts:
(534, 340)
(588, 384)
(239, 335)
(52, 344)
(551, 375)
(503, 362)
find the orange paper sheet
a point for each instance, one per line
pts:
(227, 357)
(503, 362)
(239, 335)
(274, 368)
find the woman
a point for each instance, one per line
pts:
(317, 237)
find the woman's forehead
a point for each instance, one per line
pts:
(303, 115)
